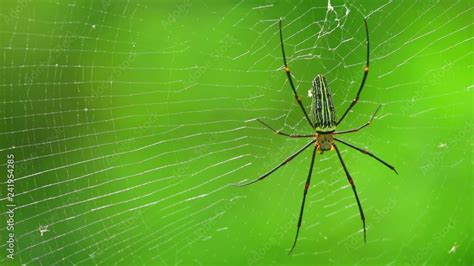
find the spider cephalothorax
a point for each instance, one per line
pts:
(324, 125)
(324, 142)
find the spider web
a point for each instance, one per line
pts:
(127, 136)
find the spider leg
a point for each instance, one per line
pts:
(368, 153)
(278, 166)
(283, 133)
(349, 178)
(364, 78)
(290, 80)
(361, 127)
(306, 186)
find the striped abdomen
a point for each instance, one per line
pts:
(322, 105)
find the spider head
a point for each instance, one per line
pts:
(324, 142)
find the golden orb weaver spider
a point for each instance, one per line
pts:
(324, 126)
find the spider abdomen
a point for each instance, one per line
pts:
(323, 110)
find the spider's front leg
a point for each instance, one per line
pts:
(306, 187)
(294, 155)
(351, 182)
(367, 153)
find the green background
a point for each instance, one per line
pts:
(129, 119)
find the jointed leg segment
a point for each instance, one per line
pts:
(351, 182)
(364, 78)
(278, 166)
(368, 153)
(283, 133)
(290, 80)
(361, 127)
(306, 187)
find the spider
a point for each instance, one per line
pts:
(324, 125)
